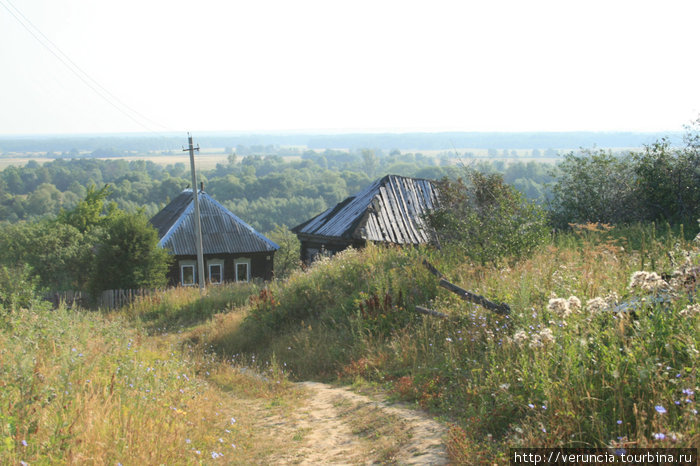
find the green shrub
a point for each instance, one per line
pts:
(18, 288)
(487, 220)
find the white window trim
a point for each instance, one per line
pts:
(215, 262)
(184, 264)
(242, 260)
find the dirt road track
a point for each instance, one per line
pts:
(336, 426)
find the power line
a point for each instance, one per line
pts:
(88, 80)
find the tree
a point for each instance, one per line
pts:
(58, 255)
(128, 255)
(370, 162)
(668, 181)
(594, 186)
(287, 257)
(89, 212)
(487, 219)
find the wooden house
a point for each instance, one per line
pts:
(233, 250)
(390, 210)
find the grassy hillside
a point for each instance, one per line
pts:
(593, 353)
(84, 388)
(588, 357)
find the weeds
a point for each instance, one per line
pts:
(583, 359)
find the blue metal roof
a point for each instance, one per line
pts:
(390, 210)
(222, 231)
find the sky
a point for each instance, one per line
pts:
(340, 66)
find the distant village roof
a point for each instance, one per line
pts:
(389, 210)
(222, 231)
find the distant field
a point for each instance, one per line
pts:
(204, 161)
(209, 158)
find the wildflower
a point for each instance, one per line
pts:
(531, 406)
(660, 409)
(188, 441)
(546, 336)
(596, 305)
(647, 281)
(520, 337)
(536, 342)
(233, 421)
(688, 391)
(574, 303)
(24, 443)
(448, 339)
(221, 440)
(214, 455)
(659, 436)
(559, 306)
(619, 421)
(198, 452)
(690, 310)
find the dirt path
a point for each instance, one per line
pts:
(337, 426)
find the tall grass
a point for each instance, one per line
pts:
(82, 388)
(603, 375)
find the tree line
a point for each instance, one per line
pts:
(265, 191)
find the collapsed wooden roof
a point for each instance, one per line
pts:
(222, 231)
(390, 210)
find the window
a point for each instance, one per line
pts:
(242, 269)
(216, 271)
(187, 273)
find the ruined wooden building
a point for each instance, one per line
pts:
(390, 210)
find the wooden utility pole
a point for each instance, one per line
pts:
(197, 220)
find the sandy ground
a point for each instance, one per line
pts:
(336, 426)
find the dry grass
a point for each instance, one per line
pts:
(80, 388)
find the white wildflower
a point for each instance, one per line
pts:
(647, 281)
(690, 310)
(535, 341)
(574, 303)
(520, 337)
(546, 336)
(596, 305)
(559, 306)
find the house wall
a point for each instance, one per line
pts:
(261, 265)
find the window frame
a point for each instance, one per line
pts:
(216, 263)
(183, 266)
(241, 261)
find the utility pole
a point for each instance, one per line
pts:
(197, 220)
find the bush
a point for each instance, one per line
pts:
(128, 256)
(486, 219)
(18, 289)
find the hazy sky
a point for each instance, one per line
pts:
(353, 65)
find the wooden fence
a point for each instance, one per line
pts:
(109, 299)
(113, 299)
